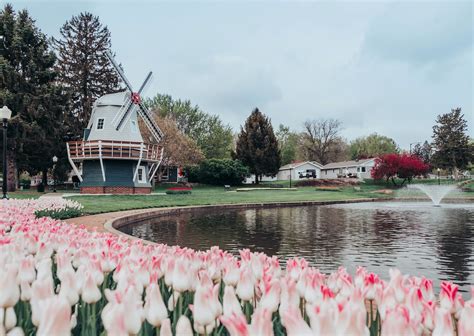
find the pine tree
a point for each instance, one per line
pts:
(83, 65)
(27, 87)
(257, 146)
(451, 142)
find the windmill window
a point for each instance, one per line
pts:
(363, 169)
(100, 123)
(141, 175)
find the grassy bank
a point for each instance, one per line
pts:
(207, 195)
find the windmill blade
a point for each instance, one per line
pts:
(145, 82)
(130, 106)
(119, 70)
(150, 122)
(125, 114)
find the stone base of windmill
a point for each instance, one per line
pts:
(115, 190)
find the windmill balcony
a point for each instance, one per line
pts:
(112, 149)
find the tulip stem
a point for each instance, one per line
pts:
(455, 325)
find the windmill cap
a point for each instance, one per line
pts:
(113, 99)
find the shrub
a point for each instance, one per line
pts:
(40, 187)
(25, 183)
(59, 214)
(222, 172)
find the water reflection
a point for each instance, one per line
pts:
(417, 238)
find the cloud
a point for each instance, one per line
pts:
(421, 32)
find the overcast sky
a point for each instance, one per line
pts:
(382, 67)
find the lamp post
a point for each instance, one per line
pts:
(5, 114)
(55, 160)
(290, 175)
(439, 182)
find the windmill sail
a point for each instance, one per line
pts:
(135, 100)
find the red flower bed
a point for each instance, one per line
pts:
(179, 188)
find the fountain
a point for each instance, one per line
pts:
(435, 192)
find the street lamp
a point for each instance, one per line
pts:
(5, 114)
(55, 160)
(290, 175)
(438, 175)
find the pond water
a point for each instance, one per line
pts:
(417, 238)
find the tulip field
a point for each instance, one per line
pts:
(61, 279)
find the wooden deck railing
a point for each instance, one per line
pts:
(111, 149)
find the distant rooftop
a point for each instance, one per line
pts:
(344, 164)
(299, 163)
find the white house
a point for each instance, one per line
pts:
(359, 168)
(299, 170)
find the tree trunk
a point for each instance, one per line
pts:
(44, 178)
(12, 180)
(256, 178)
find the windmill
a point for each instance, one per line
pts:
(113, 155)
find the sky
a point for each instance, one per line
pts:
(379, 67)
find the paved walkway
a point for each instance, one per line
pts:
(96, 222)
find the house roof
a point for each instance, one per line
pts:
(345, 164)
(297, 164)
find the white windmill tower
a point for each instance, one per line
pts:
(114, 157)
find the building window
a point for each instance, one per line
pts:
(141, 175)
(325, 172)
(358, 169)
(100, 123)
(363, 169)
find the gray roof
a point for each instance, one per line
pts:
(344, 164)
(297, 164)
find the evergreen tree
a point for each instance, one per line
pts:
(423, 151)
(257, 146)
(451, 142)
(83, 66)
(27, 87)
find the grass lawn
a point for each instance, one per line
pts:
(24, 194)
(208, 195)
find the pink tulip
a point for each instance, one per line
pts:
(466, 317)
(449, 297)
(428, 315)
(352, 316)
(26, 272)
(155, 309)
(9, 317)
(397, 322)
(165, 329)
(55, 317)
(289, 296)
(261, 324)
(245, 287)
(235, 324)
(231, 273)
(271, 294)
(443, 323)
(231, 304)
(183, 327)
(397, 282)
(294, 323)
(9, 290)
(204, 308)
(89, 292)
